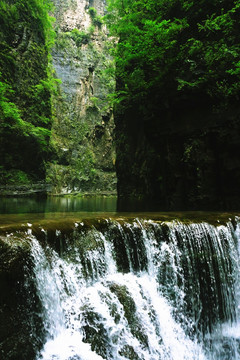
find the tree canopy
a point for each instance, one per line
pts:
(177, 110)
(175, 47)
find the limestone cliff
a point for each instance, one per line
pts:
(82, 133)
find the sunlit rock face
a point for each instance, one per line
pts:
(83, 127)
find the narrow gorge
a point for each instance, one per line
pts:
(119, 180)
(57, 127)
(82, 132)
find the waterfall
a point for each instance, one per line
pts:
(140, 289)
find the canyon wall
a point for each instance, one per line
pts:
(184, 158)
(178, 115)
(82, 132)
(26, 34)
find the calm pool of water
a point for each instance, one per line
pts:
(20, 205)
(63, 211)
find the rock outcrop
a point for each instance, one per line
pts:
(184, 158)
(83, 127)
(19, 303)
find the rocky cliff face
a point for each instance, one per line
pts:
(25, 99)
(83, 127)
(184, 158)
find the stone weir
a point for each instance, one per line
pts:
(120, 286)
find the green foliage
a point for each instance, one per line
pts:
(92, 12)
(8, 109)
(11, 120)
(80, 37)
(94, 101)
(12, 177)
(97, 20)
(26, 84)
(84, 167)
(78, 176)
(168, 49)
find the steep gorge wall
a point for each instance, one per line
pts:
(185, 158)
(82, 133)
(178, 123)
(25, 95)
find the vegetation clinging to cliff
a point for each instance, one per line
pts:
(172, 48)
(27, 82)
(177, 110)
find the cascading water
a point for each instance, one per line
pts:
(140, 290)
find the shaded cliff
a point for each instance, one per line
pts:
(55, 132)
(26, 84)
(82, 133)
(177, 115)
(179, 166)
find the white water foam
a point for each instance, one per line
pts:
(155, 334)
(68, 345)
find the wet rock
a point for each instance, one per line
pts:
(20, 325)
